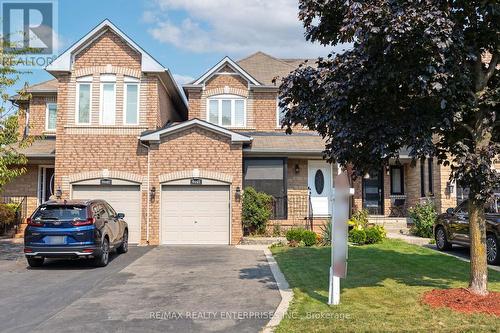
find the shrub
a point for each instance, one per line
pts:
(7, 214)
(276, 230)
(326, 233)
(359, 220)
(374, 234)
(256, 210)
(309, 237)
(423, 216)
(294, 234)
(357, 236)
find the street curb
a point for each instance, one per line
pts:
(285, 292)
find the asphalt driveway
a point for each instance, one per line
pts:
(149, 289)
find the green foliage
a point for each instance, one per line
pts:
(256, 210)
(423, 216)
(374, 235)
(294, 234)
(326, 233)
(7, 214)
(357, 236)
(276, 230)
(309, 237)
(359, 219)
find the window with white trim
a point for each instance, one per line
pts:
(280, 114)
(83, 100)
(131, 101)
(227, 110)
(51, 117)
(108, 99)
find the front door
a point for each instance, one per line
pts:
(373, 193)
(320, 185)
(45, 183)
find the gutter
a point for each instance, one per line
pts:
(147, 191)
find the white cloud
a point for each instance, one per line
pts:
(182, 79)
(233, 27)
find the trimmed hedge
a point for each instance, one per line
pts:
(298, 235)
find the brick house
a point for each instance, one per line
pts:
(115, 125)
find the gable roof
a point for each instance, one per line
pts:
(45, 86)
(174, 128)
(265, 68)
(226, 61)
(63, 62)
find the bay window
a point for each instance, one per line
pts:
(227, 111)
(83, 100)
(131, 101)
(108, 99)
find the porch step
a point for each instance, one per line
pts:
(261, 240)
(20, 230)
(393, 225)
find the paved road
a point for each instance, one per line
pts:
(461, 252)
(167, 289)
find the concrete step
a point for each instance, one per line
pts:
(262, 240)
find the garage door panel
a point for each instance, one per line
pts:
(195, 215)
(123, 198)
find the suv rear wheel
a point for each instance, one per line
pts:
(442, 243)
(492, 249)
(103, 258)
(35, 262)
(123, 248)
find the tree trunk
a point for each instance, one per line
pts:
(478, 265)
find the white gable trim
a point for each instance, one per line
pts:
(235, 137)
(64, 61)
(234, 65)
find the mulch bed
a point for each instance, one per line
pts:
(462, 300)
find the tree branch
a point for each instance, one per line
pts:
(491, 67)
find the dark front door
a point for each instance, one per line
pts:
(46, 183)
(373, 193)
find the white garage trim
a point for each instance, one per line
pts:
(207, 183)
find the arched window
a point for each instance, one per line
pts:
(227, 110)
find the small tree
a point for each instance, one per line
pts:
(421, 74)
(256, 210)
(12, 163)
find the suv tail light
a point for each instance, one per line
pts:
(32, 223)
(88, 221)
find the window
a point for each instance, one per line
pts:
(131, 103)
(227, 111)
(84, 96)
(108, 99)
(431, 185)
(397, 180)
(422, 178)
(268, 176)
(280, 114)
(51, 117)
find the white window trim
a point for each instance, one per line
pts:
(47, 117)
(125, 95)
(77, 111)
(101, 102)
(219, 98)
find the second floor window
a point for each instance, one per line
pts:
(83, 100)
(51, 117)
(108, 99)
(131, 102)
(280, 114)
(227, 111)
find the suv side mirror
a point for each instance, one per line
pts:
(450, 211)
(120, 216)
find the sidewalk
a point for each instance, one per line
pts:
(410, 239)
(11, 249)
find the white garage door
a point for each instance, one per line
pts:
(195, 215)
(123, 198)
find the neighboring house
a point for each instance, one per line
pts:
(116, 126)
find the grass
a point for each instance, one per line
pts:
(381, 293)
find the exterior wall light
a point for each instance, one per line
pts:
(450, 187)
(297, 168)
(59, 193)
(152, 193)
(237, 193)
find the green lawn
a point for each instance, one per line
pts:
(381, 293)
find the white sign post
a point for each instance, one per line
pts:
(338, 269)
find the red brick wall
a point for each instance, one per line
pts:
(24, 185)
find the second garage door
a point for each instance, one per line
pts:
(195, 215)
(123, 198)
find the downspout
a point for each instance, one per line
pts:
(147, 193)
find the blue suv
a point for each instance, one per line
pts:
(74, 229)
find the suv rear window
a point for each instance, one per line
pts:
(61, 212)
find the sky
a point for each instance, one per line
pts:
(189, 36)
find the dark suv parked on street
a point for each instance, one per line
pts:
(74, 229)
(452, 227)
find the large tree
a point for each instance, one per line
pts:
(421, 74)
